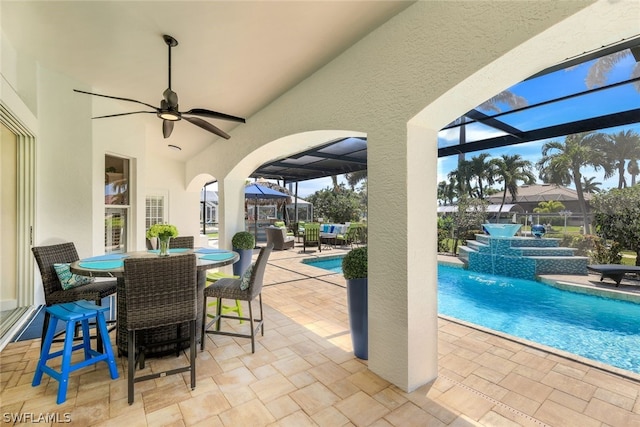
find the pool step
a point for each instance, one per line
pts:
(521, 241)
(463, 253)
(565, 265)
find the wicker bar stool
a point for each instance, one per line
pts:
(237, 307)
(246, 288)
(46, 257)
(160, 292)
(181, 242)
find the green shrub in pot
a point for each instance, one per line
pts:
(243, 243)
(243, 240)
(355, 270)
(354, 264)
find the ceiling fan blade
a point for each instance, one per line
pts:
(123, 114)
(214, 115)
(171, 97)
(206, 126)
(167, 128)
(116, 97)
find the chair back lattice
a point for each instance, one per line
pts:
(160, 291)
(46, 256)
(181, 242)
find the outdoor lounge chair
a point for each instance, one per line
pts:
(277, 236)
(350, 237)
(614, 272)
(311, 236)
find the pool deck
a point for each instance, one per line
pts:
(304, 373)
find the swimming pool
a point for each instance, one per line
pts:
(601, 329)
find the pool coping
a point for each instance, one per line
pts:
(630, 375)
(567, 286)
(588, 290)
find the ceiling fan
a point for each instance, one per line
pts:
(168, 110)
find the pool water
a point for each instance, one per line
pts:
(601, 329)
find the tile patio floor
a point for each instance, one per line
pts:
(304, 373)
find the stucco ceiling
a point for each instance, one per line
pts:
(233, 57)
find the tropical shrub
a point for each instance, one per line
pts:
(617, 217)
(605, 254)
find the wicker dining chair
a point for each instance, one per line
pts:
(160, 292)
(46, 257)
(181, 242)
(229, 288)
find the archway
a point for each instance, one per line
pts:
(231, 187)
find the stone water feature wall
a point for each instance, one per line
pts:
(521, 257)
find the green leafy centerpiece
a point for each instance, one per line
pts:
(164, 233)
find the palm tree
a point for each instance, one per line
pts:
(482, 170)
(506, 97)
(620, 147)
(588, 186)
(561, 163)
(634, 170)
(511, 169)
(446, 192)
(354, 178)
(334, 182)
(597, 75)
(462, 178)
(490, 105)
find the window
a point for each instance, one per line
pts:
(116, 200)
(155, 210)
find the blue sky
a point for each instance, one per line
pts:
(553, 85)
(543, 88)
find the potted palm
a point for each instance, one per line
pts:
(243, 243)
(355, 270)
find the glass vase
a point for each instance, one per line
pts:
(163, 245)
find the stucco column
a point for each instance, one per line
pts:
(231, 205)
(402, 256)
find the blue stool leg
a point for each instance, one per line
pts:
(106, 343)
(86, 339)
(44, 353)
(66, 363)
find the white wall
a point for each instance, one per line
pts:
(70, 150)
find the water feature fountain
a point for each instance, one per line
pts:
(501, 252)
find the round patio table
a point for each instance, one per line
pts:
(112, 265)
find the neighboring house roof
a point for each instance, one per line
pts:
(212, 196)
(542, 193)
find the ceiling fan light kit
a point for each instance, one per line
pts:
(169, 111)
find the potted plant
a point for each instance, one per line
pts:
(164, 233)
(243, 243)
(355, 270)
